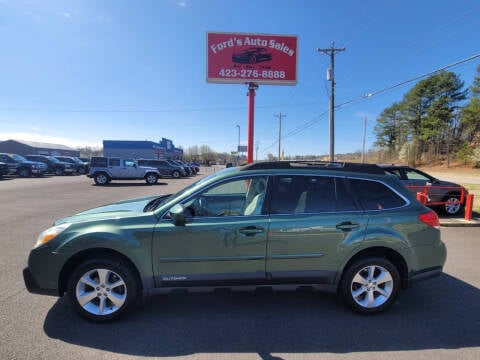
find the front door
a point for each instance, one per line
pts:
(223, 241)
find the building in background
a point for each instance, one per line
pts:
(22, 147)
(138, 149)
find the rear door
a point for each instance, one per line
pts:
(314, 223)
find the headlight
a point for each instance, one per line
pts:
(50, 233)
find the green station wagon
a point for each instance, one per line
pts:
(343, 227)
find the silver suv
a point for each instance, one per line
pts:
(103, 170)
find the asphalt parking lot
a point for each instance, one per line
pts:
(437, 319)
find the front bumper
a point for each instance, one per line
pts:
(33, 287)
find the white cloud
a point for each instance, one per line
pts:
(66, 15)
(48, 139)
(179, 3)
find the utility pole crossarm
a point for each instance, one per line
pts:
(331, 77)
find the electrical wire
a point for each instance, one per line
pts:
(312, 122)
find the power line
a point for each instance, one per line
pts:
(376, 92)
(367, 96)
(154, 110)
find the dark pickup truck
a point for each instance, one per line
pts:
(22, 167)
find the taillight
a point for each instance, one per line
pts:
(430, 218)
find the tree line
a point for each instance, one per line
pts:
(436, 119)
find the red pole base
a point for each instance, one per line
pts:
(469, 207)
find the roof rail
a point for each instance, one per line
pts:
(313, 164)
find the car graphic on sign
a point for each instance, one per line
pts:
(252, 55)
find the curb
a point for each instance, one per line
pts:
(459, 222)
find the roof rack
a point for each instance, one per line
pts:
(309, 164)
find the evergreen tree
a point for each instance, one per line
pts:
(475, 88)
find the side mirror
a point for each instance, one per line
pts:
(177, 213)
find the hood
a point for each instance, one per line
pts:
(446, 183)
(148, 168)
(126, 208)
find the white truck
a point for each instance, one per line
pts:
(103, 170)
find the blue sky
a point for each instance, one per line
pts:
(78, 72)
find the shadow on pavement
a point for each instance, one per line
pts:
(441, 313)
(127, 184)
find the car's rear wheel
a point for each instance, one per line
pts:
(370, 285)
(452, 205)
(101, 178)
(151, 179)
(176, 174)
(102, 289)
(58, 171)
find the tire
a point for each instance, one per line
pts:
(151, 178)
(24, 172)
(102, 290)
(58, 171)
(370, 285)
(176, 174)
(454, 207)
(101, 178)
(81, 171)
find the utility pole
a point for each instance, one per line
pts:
(279, 115)
(330, 77)
(364, 133)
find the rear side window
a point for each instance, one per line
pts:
(113, 162)
(374, 195)
(98, 162)
(310, 194)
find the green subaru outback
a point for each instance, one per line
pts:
(336, 226)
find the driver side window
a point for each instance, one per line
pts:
(240, 197)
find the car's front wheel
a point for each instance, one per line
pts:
(176, 174)
(102, 289)
(58, 171)
(24, 172)
(151, 179)
(370, 285)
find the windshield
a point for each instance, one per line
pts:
(162, 200)
(52, 159)
(18, 157)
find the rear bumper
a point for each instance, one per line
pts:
(423, 275)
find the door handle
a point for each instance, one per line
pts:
(347, 226)
(250, 230)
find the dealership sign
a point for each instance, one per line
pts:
(244, 58)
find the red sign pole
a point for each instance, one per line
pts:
(251, 110)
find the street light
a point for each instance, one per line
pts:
(238, 126)
(238, 147)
